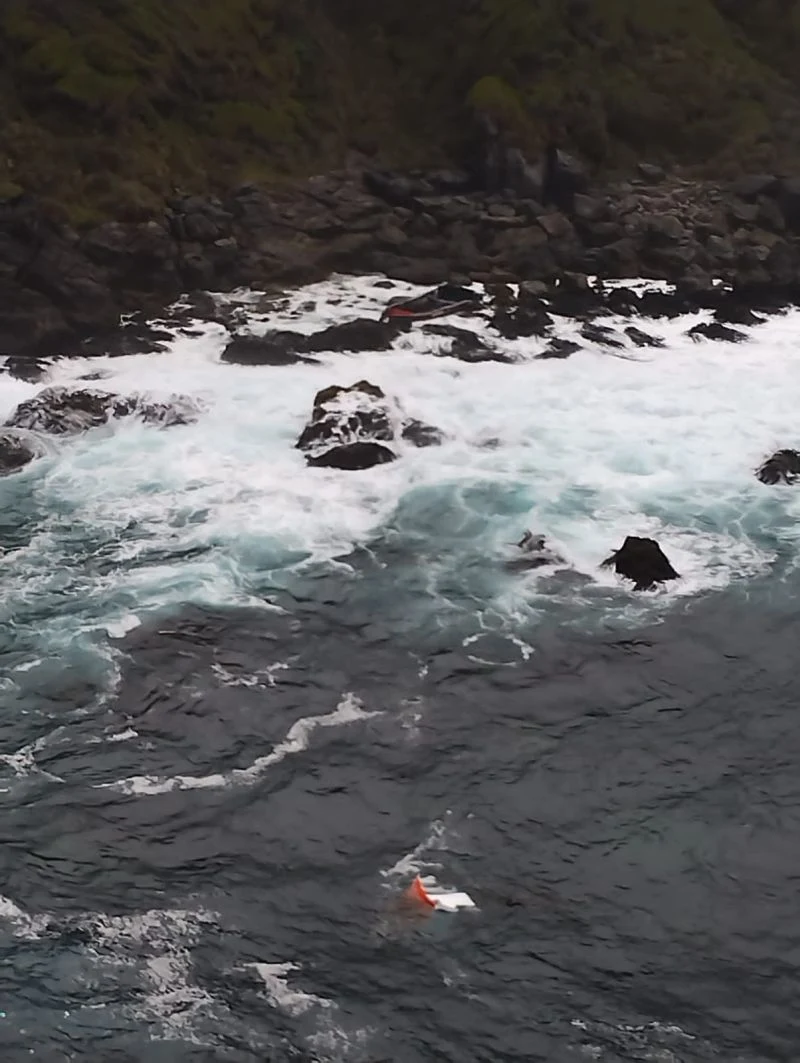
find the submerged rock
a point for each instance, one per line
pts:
(602, 335)
(421, 434)
(643, 561)
(353, 456)
(643, 339)
(66, 411)
(713, 330)
(533, 552)
(560, 348)
(16, 451)
(782, 467)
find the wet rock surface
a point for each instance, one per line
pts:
(350, 427)
(67, 411)
(17, 449)
(642, 561)
(62, 292)
(782, 467)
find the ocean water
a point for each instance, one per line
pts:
(245, 701)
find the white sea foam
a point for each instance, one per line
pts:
(130, 518)
(154, 946)
(436, 840)
(282, 994)
(349, 710)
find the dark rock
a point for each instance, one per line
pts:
(642, 561)
(16, 451)
(665, 228)
(590, 209)
(751, 186)
(720, 248)
(66, 411)
(531, 294)
(135, 257)
(422, 435)
(347, 415)
(136, 336)
(715, 331)
(391, 188)
(742, 212)
(560, 348)
(575, 298)
(76, 287)
(659, 304)
(557, 226)
(29, 369)
(352, 456)
(770, 216)
(736, 313)
(643, 339)
(622, 301)
(563, 177)
(782, 467)
(533, 552)
(789, 200)
(650, 172)
(602, 335)
(467, 346)
(274, 348)
(601, 233)
(412, 270)
(30, 324)
(353, 336)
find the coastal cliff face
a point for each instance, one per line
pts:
(106, 105)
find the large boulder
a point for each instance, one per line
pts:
(362, 334)
(275, 348)
(67, 411)
(16, 451)
(782, 467)
(642, 561)
(350, 426)
(343, 415)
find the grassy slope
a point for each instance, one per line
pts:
(105, 104)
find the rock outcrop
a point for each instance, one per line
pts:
(67, 411)
(642, 561)
(62, 292)
(17, 449)
(782, 467)
(350, 427)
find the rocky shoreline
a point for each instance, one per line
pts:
(63, 293)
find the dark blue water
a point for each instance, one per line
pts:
(622, 807)
(209, 819)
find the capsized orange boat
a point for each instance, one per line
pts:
(435, 899)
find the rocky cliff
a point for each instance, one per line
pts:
(107, 105)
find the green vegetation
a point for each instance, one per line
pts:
(106, 105)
